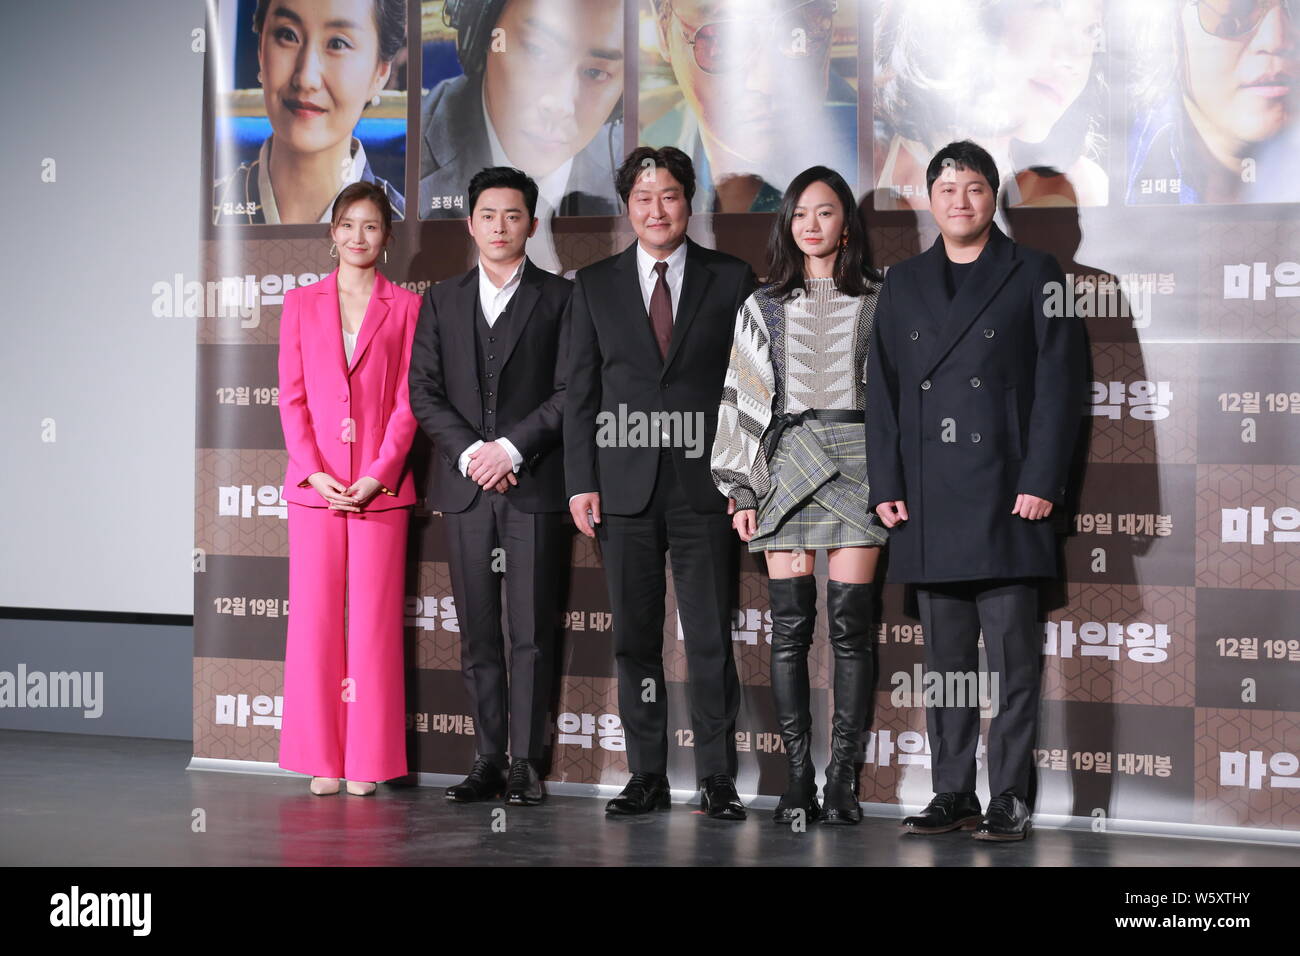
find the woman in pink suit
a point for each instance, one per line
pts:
(345, 346)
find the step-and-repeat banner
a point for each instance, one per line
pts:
(1145, 144)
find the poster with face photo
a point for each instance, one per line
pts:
(310, 97)
(1212, 97)
(533, 84)
(1025, 79)
(753, 91)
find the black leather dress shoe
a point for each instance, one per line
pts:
(644, 792)
(1007, 819)
(719, 798)
(485, 781)
(524, 785)
(947, 811)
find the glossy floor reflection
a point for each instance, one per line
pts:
(94, 801)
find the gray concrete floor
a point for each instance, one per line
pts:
(73, 800)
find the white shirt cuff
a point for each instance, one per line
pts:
(463, 464)
(516, 459)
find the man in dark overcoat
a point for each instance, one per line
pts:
(975, 394)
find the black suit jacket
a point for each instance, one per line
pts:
(445, 387)
(971, 402)
(615, 369)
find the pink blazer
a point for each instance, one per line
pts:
(347, 422)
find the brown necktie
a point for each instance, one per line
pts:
(661, 310)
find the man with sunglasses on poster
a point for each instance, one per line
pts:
(749, 73)
(975, 392)
(650, 336)
(1215, 95)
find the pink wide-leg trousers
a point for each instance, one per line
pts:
(344, 697)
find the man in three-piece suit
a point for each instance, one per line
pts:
(975, 396)
(650, 337)
(487, 386)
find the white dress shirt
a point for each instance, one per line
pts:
(493, 301)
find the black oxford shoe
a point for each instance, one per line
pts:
(719, 798)
(524, 785)
(947, 811)
(1007, 819)
(644, 793)
(485, 781)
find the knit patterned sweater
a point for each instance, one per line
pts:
(807, 352)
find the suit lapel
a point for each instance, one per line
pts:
(329, 319)
(934, 288)
(994, 265)
(376, 311)
(521, 305)
(694, 283)
(630, 305)
(455, 136)
(462, 348)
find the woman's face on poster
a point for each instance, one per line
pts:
(1041, 64)
(555, 77)
(754, 68)
(320, 65)
(1245, 85)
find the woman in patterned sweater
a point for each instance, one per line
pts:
(790, 451)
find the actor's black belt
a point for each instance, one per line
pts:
(783, 421)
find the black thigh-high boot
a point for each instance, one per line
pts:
(794, 612)
(849, 612)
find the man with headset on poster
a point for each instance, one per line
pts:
(541, 91)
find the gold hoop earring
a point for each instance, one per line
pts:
(385, 257)
(334, 251)
(844, 240)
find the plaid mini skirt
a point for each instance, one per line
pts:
(819, 493)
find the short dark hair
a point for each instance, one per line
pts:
(962, 154)
(363, 190)
(390, 24)
(504, 177)
(670, 157)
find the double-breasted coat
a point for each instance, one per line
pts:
(971, 402)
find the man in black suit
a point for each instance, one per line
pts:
(975, 394)
(487, 386)
(651, 335)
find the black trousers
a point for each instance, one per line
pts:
(701, 550)
(952, 616)
(490, 537)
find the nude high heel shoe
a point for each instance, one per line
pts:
(360, 788)
(324, 786)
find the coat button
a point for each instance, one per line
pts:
(975, 382)
(975, 438)
(343, 396)
(988, 333)
(915, 335)
(925, 386)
